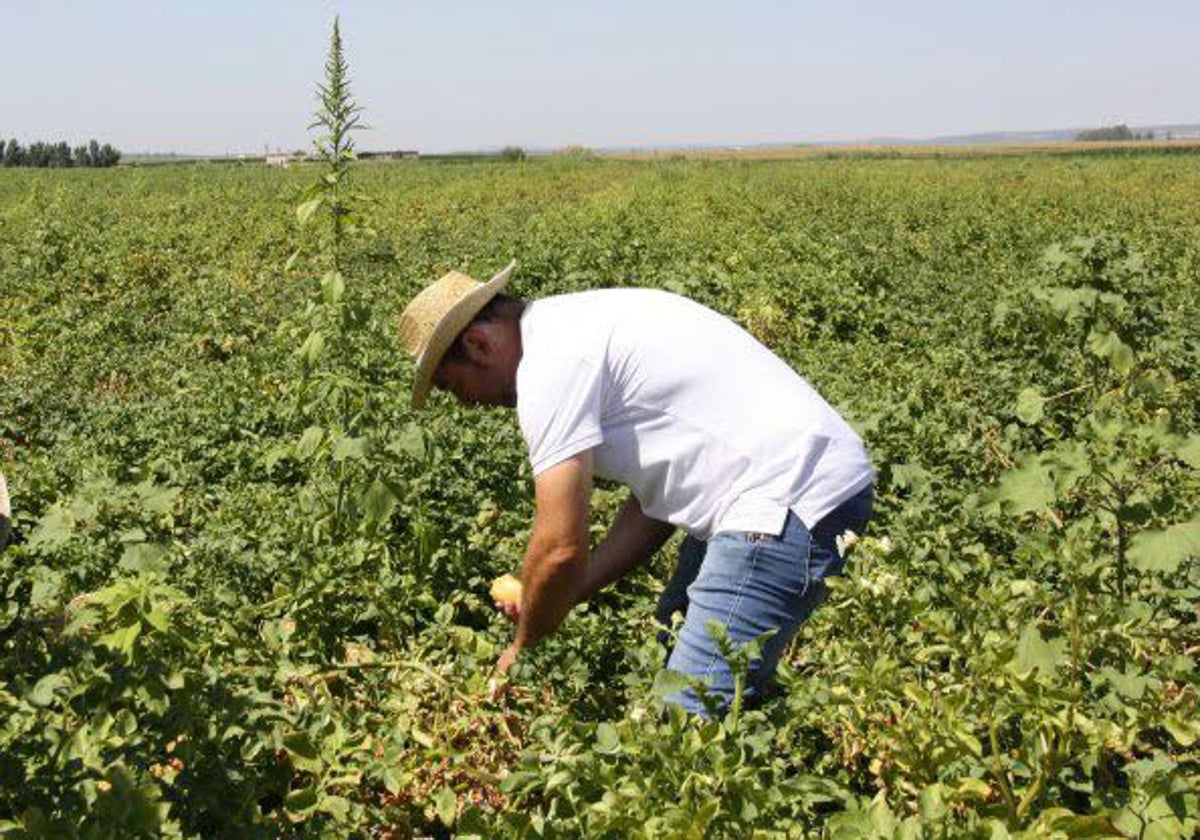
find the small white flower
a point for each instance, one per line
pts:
(845, 541)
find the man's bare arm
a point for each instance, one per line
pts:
(557, 557)
(631, 541)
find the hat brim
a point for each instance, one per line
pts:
(452, 323)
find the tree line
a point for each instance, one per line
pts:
(1113, 132)
(58, 154)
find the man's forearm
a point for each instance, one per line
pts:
(632, 539)
(551, 577)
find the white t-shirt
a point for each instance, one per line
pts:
(709, 429)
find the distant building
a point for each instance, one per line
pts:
(284, 158)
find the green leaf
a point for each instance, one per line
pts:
(47, 588)
(144, 557)
(378, 502)
(350, 448)
(1069, 463)
(1145, 769)
(668, 683)
(175, 680)
(1030, 406)
(309, 442)
(336, 806)
(1068, 302)
(310, 351)
(1029, 488)
(410, 441)
(157, 619)
(1035, 653)
(1165, 550)
(1067, 823)
(47, 688)
(972, 789)
(301, 802)
(1185, 732)
(390, 782)
(445, 804)
(156, 499)
(301, 745)
(126, 723)
(305, 210)
(1189, 451)
(607, 739)
(333, 286)
(1129, 684)
(519, 782)
(133, 535)
(1108, 345)
(54, 530)
(932, 803)
(123, 639)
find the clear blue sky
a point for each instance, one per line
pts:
(461, 74)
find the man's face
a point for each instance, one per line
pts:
(485, 374)
(468, 381)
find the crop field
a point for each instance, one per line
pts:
(247, 593)
(1077, 148)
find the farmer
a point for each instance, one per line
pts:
(5, 513)
(711, 432)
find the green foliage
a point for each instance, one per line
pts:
(246, 594)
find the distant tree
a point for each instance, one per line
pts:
(513, 153)
(38, 154)
(108, 156)
(14, 155)
(1114, 132)
(60, 155)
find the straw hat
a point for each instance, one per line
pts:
(435, 317)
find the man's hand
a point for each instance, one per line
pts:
(511, 609)
(506, 660)
(499, 682)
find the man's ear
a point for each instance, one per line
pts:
(477, 343)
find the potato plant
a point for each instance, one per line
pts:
(247, 591)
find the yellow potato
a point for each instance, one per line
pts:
(506, 589)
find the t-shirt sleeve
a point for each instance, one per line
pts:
(558, 407)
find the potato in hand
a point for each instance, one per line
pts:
(506, 590)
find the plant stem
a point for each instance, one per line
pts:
(998, 773)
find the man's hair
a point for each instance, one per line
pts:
(499, 308)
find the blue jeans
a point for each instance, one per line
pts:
(751, 583)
